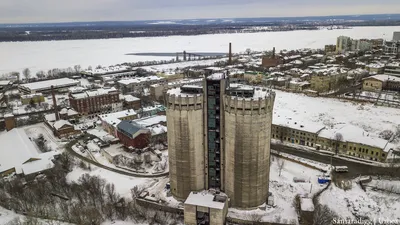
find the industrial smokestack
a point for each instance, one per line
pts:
(273, 53)
(55, 103)
(230, 54)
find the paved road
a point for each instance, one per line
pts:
(355, 168)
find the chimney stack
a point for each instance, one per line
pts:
(273, 53)
(230, 54)
(55, 103)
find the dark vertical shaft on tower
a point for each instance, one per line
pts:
(230, 54)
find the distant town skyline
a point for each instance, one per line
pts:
(38, 11)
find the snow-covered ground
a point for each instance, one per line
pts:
(355, 203)
(33, 131)
(63, 54)
(7, 216)
(284, 189)
(303, 109)
(123, 184)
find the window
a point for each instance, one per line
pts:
(383, 154)
(344, 146)
(350, 148)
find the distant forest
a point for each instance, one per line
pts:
(79, 31)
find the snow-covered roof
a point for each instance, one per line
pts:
(97, 92)
(216, 76)
(139, 80)
(130, 98)
(204, 199)
(150, 121)
(307, 205)
(351, 133)
(60, 123)
(384, 77)
(375, 65)
(178, 92)
(115, 118)
(57, 83)
(4, 82)
(36, 166)
(158, 129)
(16, 149)
(296, 123)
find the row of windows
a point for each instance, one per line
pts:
(361, 156)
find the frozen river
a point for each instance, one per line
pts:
(15, 56)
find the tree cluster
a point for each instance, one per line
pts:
(89, 201)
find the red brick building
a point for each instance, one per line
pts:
(132, 135)
(104, 100)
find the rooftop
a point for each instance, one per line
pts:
(204, 199)
(97, 92)
(16, 149)
(217, 76)
(115, 118)
(355, 134)
(57, 83)
(295, 123)
(150, 121)
(139, 80)
(384, 77)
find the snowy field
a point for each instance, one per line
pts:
(15, 56)
(301, 108)
(7, 216)
(123, 184)
(284, 189)
(355, 202)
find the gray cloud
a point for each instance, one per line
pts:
(21, 11)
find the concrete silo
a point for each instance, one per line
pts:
(248, 118)
(185, 140)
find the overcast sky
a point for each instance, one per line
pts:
(33, 11)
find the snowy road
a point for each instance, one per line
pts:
(355, 168)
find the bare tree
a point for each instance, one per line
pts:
(338, 139)
(281, 165)
(323, 215)
(77, 69)
(386, 134)
(296, 204)
(27, 73)
(40, 74)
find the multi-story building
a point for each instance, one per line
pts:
(391, 47)
(393, 69)
(338, 138)
(219, 138)
(353, 141)
(330, 48)
(104, 100)
(295, 132)
(137, 84)
(381, 82)
(344, 44)
(110, 121)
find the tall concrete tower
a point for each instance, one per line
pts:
(248, 119)
(219, 139)
(185, 140)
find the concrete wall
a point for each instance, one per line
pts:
(185, 144)
(247, 150)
